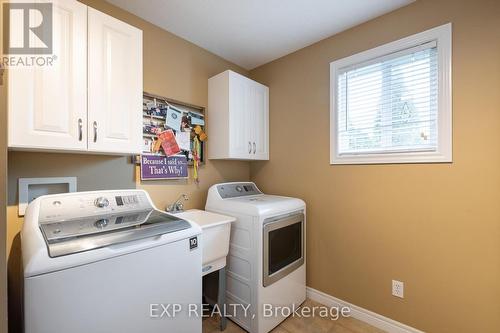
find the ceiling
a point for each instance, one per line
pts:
(251, 33)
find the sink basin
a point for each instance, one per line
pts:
(216, 229)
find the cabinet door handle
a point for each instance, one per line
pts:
(80, 129)
(254, 147)
(95, 131)
(249, 147)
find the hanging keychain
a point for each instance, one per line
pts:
(196, 158)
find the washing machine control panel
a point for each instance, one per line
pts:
(234, 190)
(101, 202)
(80, 205)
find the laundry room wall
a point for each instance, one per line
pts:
(3, 193)
(434, 226)
(173, 68)
(180, 70)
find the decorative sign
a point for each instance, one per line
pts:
(163, 167)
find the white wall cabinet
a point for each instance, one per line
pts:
(238, 112)
(95, 79)
(48, 105)
(115, 85)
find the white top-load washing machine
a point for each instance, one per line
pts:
(108, 262)
(266, 276)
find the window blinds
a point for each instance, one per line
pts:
(389, 104)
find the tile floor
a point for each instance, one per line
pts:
(301, 325)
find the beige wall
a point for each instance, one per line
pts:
(173, 68)
(3, 197)
(434, 226)
(179, 70)
(3, 211)
(3, 193)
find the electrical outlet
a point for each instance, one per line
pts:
(398, 288)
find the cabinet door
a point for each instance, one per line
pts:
(48, 104)
(260, 121)
(240, 125)
(115, 85)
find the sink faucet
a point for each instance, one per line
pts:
(177, 206)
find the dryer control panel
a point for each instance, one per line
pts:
(235, 190)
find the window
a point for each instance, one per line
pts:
(392, 104)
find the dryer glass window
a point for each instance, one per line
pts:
(285, 246)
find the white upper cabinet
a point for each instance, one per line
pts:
(115, 85)
(238, 112)
(95, 78)
(260, 130)
(48, 105)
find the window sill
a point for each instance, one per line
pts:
(393, 158)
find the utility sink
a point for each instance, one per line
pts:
(216, 229)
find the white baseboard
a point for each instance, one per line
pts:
(367, 316)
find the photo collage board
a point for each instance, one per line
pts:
(173, 129)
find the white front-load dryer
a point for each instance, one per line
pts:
(266, 273)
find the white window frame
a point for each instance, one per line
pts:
(443, 153)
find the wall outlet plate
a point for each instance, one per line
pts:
(398, 288)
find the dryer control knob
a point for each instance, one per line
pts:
(101, 202)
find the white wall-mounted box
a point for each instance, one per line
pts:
(32, 188)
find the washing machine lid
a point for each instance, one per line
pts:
(64, 237)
